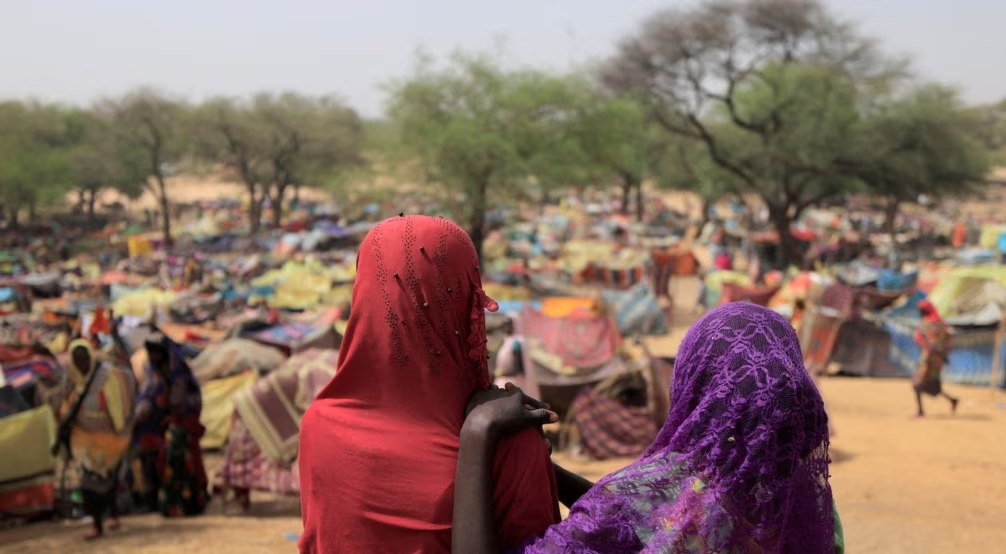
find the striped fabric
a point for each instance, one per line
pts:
(273, 407)
(610, 429)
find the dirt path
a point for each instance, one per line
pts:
(902, 486)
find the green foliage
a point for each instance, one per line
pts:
(100, 161)
(921, 143)
(273, 142)
(155, 124)
(771, 90)
(988, 126)
(34, 165)
(486, 132)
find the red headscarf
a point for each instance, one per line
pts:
(378, 447)
(937, 333)
(928, 311)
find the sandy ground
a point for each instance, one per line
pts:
(902, 486)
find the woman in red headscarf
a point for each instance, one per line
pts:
(933, 336)
(379, 446)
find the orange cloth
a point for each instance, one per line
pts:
(559, 307)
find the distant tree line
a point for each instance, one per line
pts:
(777, 99)
(134, 144)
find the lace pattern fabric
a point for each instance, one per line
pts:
(740, 466)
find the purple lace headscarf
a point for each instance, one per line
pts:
(740, 466)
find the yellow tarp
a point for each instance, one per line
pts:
(301, 286)
(139, 302)
(990, 236)
(506, 293)
(958, 281)
(25, 440)
(218, 407)
(139, 246)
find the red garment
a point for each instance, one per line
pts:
(938, 336)
(379, 445)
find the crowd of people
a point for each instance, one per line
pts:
(140, 439)
(428, 454)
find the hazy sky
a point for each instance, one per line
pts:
(78, 50)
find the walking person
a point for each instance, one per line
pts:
(95, 429)
(934, 338)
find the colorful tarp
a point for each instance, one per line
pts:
(273, 407)
(25, 440)
(218, 407)
(637, 311)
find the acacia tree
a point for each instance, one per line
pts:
(34, 168)
(921, 143)
(619, 141)
(482, 131)
(154, 123)
(98, 161)
(231, 135)
(306, 141)
(768, 87)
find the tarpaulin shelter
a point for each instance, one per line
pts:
(27, 467)
(295, 337)
(234, 356)
(637, 311)
(273, 407)
(218, 408)
(563, 354)
(972, 359)
(972, 301)
(716, 279)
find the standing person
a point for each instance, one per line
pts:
(509, 358)
(935, 340)
(740, 466)
(96, 427)
(169, 470)
(379, 445)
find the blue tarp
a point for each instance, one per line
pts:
(636, 311)
(893, 281)
(517, 306)
(971, 359)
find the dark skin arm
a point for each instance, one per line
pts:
(571, 486)
(475, 529)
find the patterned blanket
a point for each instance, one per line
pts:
(610, 429)
(273, 407)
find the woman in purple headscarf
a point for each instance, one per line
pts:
(740, 466)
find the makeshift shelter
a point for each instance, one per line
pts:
(563, 354)
(218, 407)
(620, 416)
(234, 356)
(637, 311)
(272, 408)
(295, 337)
(972, 301)
(715, 280)
(27, 468)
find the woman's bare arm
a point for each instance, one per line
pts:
(571, 486)
(474, 526)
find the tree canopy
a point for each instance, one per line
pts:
(770, 88)
(483, 131)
